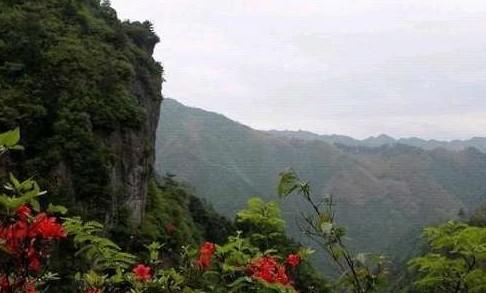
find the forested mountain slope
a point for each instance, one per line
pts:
(384, 195)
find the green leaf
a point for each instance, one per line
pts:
(240, 282)
(17, 148)
(326, 227)
(10, 138)
(15, 181)
(288, 183)
(305, 253)
(35, 205)
(57, 209)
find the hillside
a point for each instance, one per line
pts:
(381, 140)
(84, 88)
(384, 195)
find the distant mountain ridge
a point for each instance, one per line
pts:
(383, 139)
(385, 194)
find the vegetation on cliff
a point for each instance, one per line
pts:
(80, 81)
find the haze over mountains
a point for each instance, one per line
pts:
(384, 194)
(383, 139)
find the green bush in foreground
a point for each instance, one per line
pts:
(456, 261)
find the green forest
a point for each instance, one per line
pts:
(109, 187)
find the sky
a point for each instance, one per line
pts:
(354, 67)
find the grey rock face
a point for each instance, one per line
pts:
(131, 173)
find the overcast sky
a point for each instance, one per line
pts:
(355, 67)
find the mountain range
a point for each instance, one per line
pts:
(384, 194)
(383, 139)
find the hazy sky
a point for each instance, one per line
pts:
(355, 67)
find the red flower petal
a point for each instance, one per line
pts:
(142, 272)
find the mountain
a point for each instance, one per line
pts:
(385, 195)
(376, 141)
(85, 91)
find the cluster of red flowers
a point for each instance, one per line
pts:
(268, 269)
(206, 252)
(26, 239)
(293, 260)
(142, 272)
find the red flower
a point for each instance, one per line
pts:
(14, 235)
(47, 227)
(34, 259)
(207, 248)
(263, 268)
(269, 270)
(142, 272)
(281, 276)
(27, 241)
(293, 260)
(23, 212)
(206, 252)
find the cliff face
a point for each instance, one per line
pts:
(86, 92)
(135, 149)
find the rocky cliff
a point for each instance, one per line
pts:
(86, 92)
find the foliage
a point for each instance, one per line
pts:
(9, 141)
(262, 222)
(234, 266)
(168, 218)
(101, 253)
(360, 272)
(27, 235)
(242, 264)
(238, 266)
(70, 73)
(177, 218)
(27, 238)
(478, 217)
(256, 272)
(455, 262)
(213, 226)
